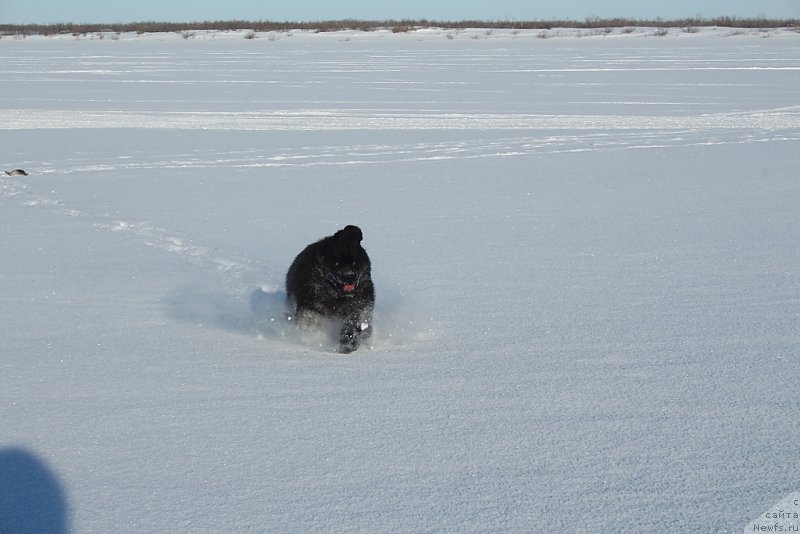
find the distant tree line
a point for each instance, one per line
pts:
(404, 25)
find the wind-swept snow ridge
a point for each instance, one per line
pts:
(335, 120)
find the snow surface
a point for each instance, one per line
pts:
(585, 252)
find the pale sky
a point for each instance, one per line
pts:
(50, 11)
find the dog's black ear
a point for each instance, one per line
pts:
(350, 233)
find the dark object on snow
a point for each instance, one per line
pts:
(32, 498)
(330, 282)
(17, 172)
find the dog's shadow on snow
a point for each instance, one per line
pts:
(261, 312)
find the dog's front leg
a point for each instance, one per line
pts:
(353, 332)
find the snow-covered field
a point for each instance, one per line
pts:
(586, 254)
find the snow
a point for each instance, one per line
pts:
(585, 253)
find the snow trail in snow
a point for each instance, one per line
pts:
(144, 232)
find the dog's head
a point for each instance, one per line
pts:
(345, 262)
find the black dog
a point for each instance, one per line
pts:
(331, 280)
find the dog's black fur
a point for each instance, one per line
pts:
(330, 280)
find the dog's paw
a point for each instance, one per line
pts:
(348, 341)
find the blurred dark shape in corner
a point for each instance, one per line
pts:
(31, 498)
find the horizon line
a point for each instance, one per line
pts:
(406, 24)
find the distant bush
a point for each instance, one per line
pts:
(397, 26)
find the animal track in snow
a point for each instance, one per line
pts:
(145, 232)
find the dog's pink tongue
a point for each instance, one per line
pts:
(349, 287)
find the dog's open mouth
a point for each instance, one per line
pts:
(344, 287)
